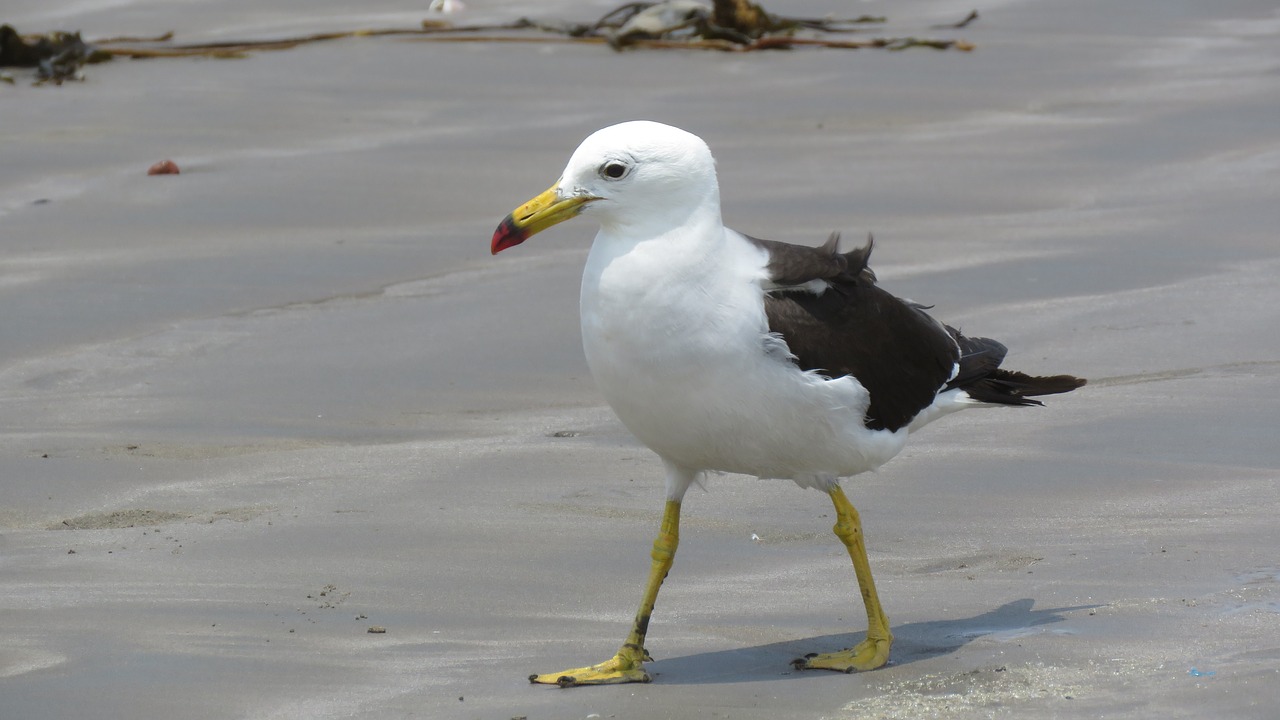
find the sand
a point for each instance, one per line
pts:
(251, 411)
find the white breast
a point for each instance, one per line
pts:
(677, 339)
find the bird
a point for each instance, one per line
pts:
(726, 353)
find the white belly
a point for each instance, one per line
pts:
(692, 372)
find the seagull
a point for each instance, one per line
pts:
(722, 352)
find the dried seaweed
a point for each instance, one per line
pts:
(56, 56)
(726, 25)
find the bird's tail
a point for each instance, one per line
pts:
(1010, 387)
(982, 378)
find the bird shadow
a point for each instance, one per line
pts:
(913, 642)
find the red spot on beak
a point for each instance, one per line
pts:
(507, 235)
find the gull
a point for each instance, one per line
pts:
(727, 353)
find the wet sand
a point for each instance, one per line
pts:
(250, 411)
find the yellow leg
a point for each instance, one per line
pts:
(874, 651)
(627, 665)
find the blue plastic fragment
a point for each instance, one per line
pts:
(1196, 672)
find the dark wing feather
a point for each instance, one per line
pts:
(979, 357)
(982, 377)
(793, 265)
(901, 355)
(896, 351)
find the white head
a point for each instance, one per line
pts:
(636, 177)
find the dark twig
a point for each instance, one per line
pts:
(973, 15)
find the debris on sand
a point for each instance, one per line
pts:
(56, 56)
(724, 25)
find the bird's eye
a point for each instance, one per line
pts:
(613, 170)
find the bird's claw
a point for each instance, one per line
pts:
(624, 667)
(866, 655)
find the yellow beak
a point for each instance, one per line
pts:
(535, 216)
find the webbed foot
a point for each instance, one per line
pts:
(625, 667)
(866, 655)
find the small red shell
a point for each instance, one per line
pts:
(164, 167)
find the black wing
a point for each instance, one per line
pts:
(901, 355)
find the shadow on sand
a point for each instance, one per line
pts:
(912, 642)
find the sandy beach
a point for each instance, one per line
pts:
(251, 411)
